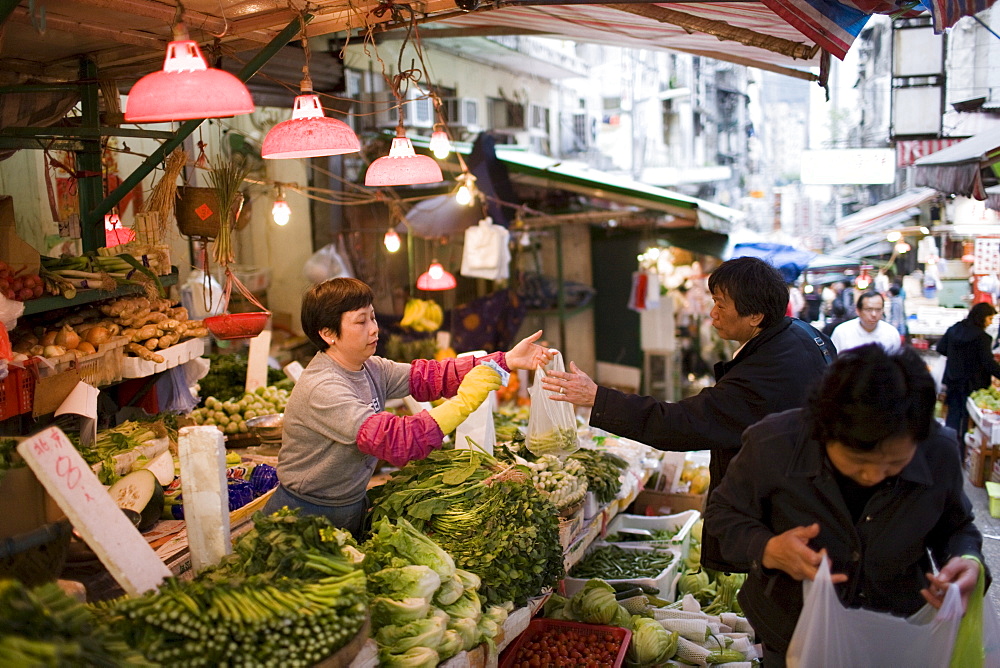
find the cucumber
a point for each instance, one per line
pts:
(142, 492)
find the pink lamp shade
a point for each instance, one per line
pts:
(435, 278)
(309, 133)
(186, 88)
(403, 167)
(114, 233)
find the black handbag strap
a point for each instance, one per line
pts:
(816, 337)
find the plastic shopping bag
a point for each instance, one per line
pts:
(828, 634)
(478, 428)
(551, 424)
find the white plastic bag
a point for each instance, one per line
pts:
(478, 427)
(828, 634)
(551, 424)
(486, 253)
(324, 264)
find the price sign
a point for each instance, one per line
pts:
(91, 510)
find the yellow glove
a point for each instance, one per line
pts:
(475, 387)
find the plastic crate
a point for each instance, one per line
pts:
(681, 522)
(664, 581)
(539, 626)
(993, 490)
(17, 390)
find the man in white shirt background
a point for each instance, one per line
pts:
(868, 327)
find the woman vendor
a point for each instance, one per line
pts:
(863, 473)
(335, 428)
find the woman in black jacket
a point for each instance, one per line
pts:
(970, 364)
(864, 473)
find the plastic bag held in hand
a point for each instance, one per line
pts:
(475, 387)
(551, 424)
(828, 634)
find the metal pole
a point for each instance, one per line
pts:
(88, 160)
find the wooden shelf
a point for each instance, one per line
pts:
(54, 302)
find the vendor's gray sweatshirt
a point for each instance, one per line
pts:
(319, 460)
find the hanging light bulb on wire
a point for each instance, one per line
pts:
(391, 241)
(280, 211)
(466, 192)
(440, 145)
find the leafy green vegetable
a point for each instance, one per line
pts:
(468, 629)
(595, 603)
(401, 544)
(417, 657)
(427, 632)
(451, 644)
(227, 377)
(469, 579)
(406, 582)
(451, 590)
(388, 612)
(652, 645)
(468, 606)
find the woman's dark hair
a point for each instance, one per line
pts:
(868, 294)
(754, 286)
(868, 395)
(978, 314)
(326, 302)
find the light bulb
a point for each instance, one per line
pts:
(391, 241)
(281, 212)
(463, 195)
(808, 289)
(435, 271)
(902, 247)
(440, 145)
(893, 237)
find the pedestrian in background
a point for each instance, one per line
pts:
(869, 327)
(970, 364)
(897, 314)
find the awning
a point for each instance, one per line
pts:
(993, 198)
(882, 216)
(868, 245)
(788, 260)
(957, 170)
(532, 168)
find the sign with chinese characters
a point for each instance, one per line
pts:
(92, 512)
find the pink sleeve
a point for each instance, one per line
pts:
(433, 379)
(399, 439)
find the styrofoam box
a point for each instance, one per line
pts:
(664, 581)
(184, 351)
(684, 522)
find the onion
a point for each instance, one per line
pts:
(67, 338)
(54, 351)
(49, 337)
(86, 348)
(37, 351)
(97, 335)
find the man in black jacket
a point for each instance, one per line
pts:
(863, 473)
(778, 360)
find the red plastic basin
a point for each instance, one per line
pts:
(237, 325)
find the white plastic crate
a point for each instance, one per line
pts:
(682, 522)
(663, 582)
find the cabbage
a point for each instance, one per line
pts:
(387, 612)
(595, 603)
(651, 644)
(417, 657)
(557, 607)
(469, 579)
(405, 582)
(468, 606)
(497, 613)
(693, 582)
(426, 632)
(468, 629)
(451, 644)
(450, 591)
(488, 628)
(409, 546)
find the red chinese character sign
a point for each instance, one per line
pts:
(92, 512)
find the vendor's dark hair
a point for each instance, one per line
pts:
(325, 303)
(868, 295)
(868, 395)
(754, 286)
(979, 312)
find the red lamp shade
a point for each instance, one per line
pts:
(309, 133)
(403, 167)
(114, 233)
(186, 88)
(436, 278)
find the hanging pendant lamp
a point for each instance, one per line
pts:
(440, 145)
(186, 88)
(309, 133)
(436, 278)
(402, 167)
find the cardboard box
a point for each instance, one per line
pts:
(18, 254)
(660, 503)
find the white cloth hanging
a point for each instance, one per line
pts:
(486, 253)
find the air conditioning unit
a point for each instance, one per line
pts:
(462, 112)
(380, 110)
